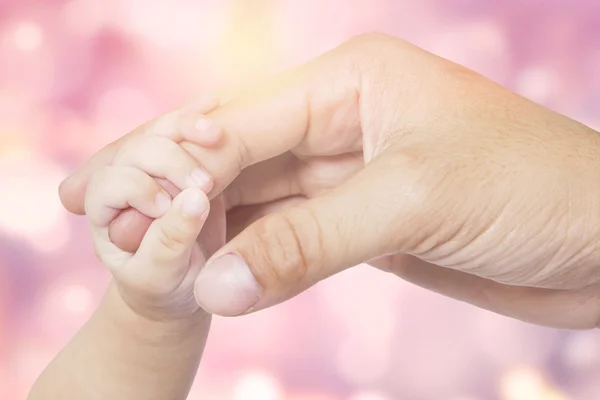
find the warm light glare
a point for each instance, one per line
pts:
(29, 205)
(538, 83)
(77, 299)
(523, 383)
(257, 385)
(28, 36)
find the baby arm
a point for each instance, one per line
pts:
(146, 338)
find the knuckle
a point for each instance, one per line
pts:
(142, 145)
(142, 185)
(123, 152)
(290, 246)
(172, 237)
(368, 53)
(94, 191)
(367, 48)
(177, 157)
(113, 258)
(98, 178)
(163, 125)
(370, 38)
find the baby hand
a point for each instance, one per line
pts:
(157, 281)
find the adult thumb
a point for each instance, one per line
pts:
(288, 251)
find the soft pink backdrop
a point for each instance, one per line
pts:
(76, 74)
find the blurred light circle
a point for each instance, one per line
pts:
(28, 36)
(30, 208)
(257, 385)
(54, 240)
(523, 383)
(77, 299)
(538, 83)
(62, 307)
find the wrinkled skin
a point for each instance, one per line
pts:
(380, 152)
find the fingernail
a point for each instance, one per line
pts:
(205, 132)
(226, 286)
(163, 202)
(193, 204)
(200, 179)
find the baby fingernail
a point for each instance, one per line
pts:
(200, 179)
(194, 204)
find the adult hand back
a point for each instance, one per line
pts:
(383, 153)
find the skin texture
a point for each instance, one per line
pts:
(383, 153)
(146, 338)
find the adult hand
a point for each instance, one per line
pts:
(381, 152)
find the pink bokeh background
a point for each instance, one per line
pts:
(76, 74)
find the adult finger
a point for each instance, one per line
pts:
(288, 251)
(306, 106)
(288, 175)
(300, 107)
(211, 239)
(314, 103)
(239, 218)
(267, 181)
